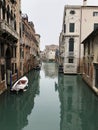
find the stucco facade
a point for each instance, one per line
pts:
(71, 38)
(90, 60)
(78, 22)
(50, 52)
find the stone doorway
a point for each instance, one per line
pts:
(8, 56)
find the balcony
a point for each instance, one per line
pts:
(5, 28)
(71, 54)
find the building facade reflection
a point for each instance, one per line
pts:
(15, 109)
(50, 69)
(78, 104)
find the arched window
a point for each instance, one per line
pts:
(71, 44)
(3, 7)
(4, 3)
(3, 13)
(14, 22)
(11, 15)
(8, 12)
(12, 19)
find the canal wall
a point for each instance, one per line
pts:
(2, 87)
(89, 82)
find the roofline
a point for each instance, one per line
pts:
(90, 36)
(80, 6)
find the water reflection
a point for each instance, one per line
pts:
(14, 109)
(67, 96)
(79, 106)
(50, 70)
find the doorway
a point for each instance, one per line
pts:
(8, 65)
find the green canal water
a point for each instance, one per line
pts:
(52, 102)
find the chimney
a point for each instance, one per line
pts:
(84, 2)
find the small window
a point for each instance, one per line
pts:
(95, 26)
(2, 50)
(22, 27)
(71, 45)
(15, 52)
(20, 65)
(12, 68)
(15, 25)
(2, 72)
(71, 27)
(95, 13)
(72, 12)
(65, 13)
(64, 28)
(15, 68)
(70, 60)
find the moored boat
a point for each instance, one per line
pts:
(20, 84)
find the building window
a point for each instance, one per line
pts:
(71, 27)
(95, 26)
(15, 25)
(20, 30)
(65, 13)
(72, 12)
(15, 68)
(88, 47)
(84, 49)
(3, 13)
(70, 60)
(12, 68)
(23, 27)
(2, 72)
(12, 51)
(15, 52)
(95, 13)
(88, 69)
(71, 45)
(20, 53)
(20, 65)
(8, 14)
(64, 28)
(2, 50)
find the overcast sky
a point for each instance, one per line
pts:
(47, 16)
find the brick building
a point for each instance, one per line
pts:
(19, 44)
(9, 36)
(29, 45)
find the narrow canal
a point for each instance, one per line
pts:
(52, 102)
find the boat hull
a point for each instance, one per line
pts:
(20, 84)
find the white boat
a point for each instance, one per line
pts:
(20, 84)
